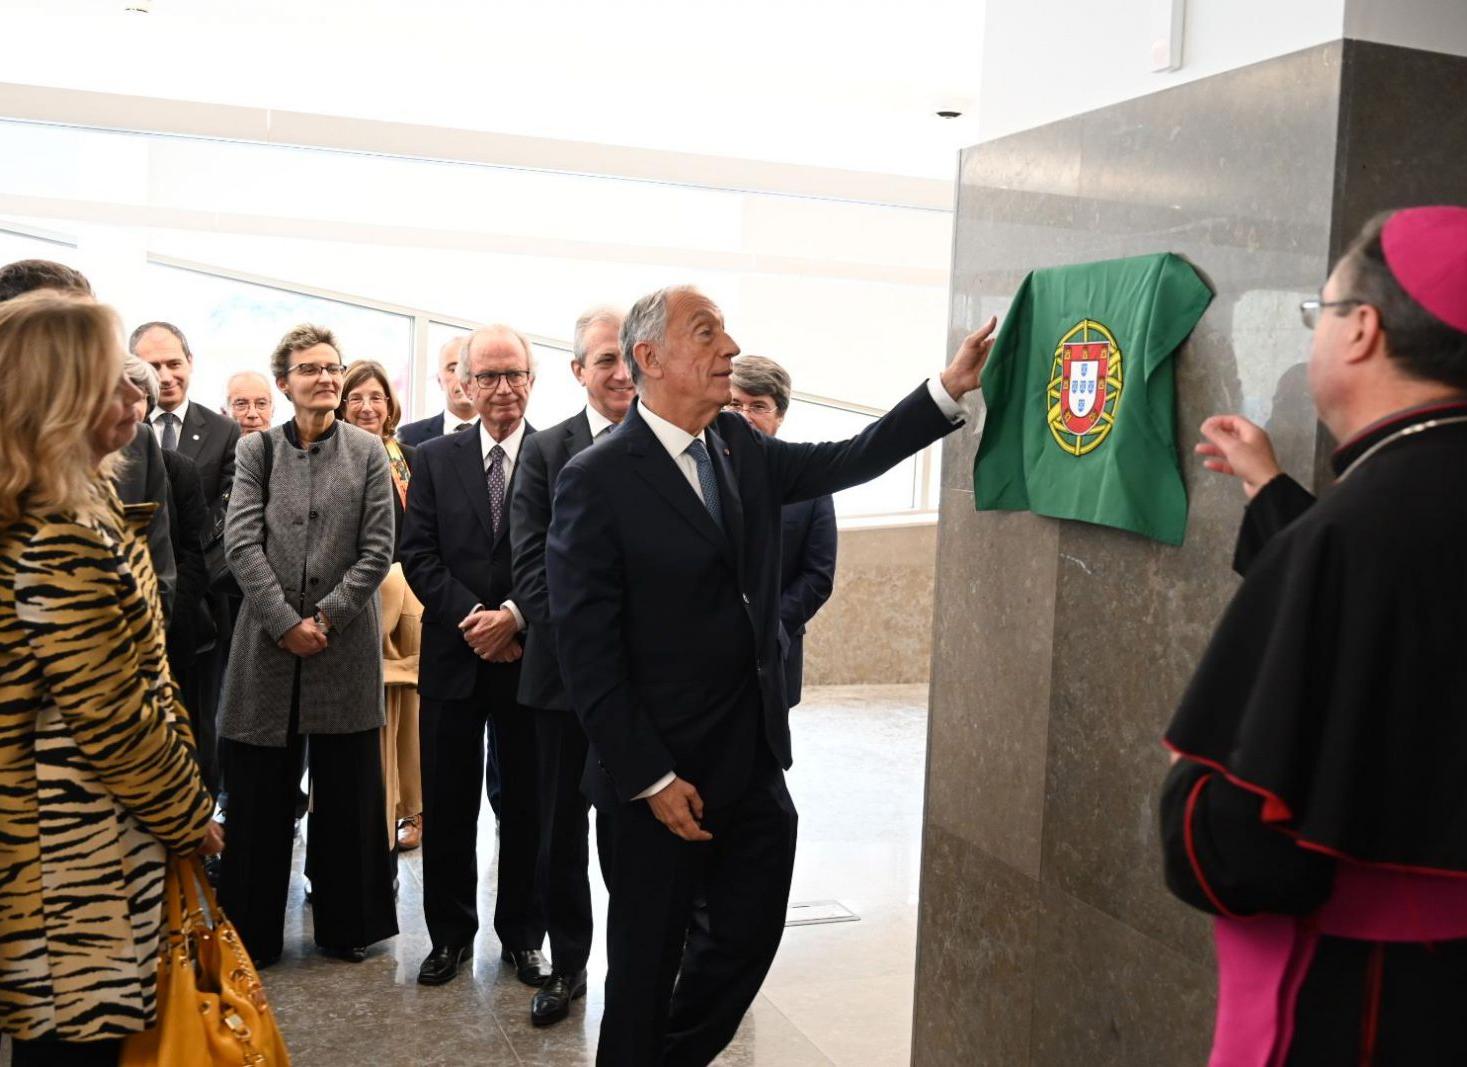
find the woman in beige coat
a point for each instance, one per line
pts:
(369, 403)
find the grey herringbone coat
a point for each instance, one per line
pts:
(323, 540)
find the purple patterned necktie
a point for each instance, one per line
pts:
(495, 473)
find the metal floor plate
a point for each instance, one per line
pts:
(818, 912)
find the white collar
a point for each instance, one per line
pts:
(510, 444)
(450, 420)
(597, 420)
(181, 411)
(674, 438)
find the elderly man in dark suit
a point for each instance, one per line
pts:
(761, 394)
(456, 553)
(663, 566)
(458, 412)
(564, 852)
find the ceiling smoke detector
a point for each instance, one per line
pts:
(137, 7)
(948, 113)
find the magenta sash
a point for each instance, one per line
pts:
(1262, 960)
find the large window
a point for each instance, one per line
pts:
(234, 325)
(821, 420)
(15, 245)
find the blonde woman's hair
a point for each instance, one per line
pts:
(60, 365)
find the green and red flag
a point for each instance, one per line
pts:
(1080, 390)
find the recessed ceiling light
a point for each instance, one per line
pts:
(138, 7)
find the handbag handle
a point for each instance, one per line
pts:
(198, 895)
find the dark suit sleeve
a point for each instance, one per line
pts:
(189, 520)
(160, 541)
(1272, 508)
(445, 599)
(801, 471)
(1220, 857)
(813, 581)
(529, 511)
(586, 577)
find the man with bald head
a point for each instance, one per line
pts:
(663, 567)
(250, 401)
(458, 412)
(455, 551)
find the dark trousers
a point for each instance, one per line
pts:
(565, 839)
(679, 977)
(452, 741)
(351, 868)
(65, 1053)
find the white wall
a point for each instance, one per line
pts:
(1045, 60)
(1436, 25)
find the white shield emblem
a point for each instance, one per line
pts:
(1084, 387)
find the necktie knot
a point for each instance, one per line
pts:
(462, 426)
(170, 430)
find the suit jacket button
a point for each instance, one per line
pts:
(315, 581)
(315, 515)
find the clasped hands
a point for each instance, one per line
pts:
(305, 639)
(492, 635)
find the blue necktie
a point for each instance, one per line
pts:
(706, 481)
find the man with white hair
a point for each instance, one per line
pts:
(458, 412)
(663, 567)
(249, 401)
(597, 364)
(456, 553)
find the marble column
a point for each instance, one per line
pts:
(1046, 935)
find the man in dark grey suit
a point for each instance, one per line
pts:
(455, 552)
(458, 412)
(564, 852)
(208, 440)
(663, 566)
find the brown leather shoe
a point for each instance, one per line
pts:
(410, 832)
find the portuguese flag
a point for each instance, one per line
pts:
(1080, 395)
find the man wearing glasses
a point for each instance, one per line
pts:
(1316, 797)
(249, 402)
(456, 552)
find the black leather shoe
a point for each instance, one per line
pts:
(529, 965)
(442, 964)
(553, 1000)
(350, 955)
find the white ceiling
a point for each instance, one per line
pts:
(850, 85)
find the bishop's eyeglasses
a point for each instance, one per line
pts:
(1309, 309)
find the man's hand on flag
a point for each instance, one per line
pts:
(963, 373)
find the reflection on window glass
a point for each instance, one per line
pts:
(15, 246)
(893, 491)
(233, 326)
(555, 396)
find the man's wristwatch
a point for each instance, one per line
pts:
(322, 622)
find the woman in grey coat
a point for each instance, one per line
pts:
(309, 538)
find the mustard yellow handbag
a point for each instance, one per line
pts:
(211, 1006)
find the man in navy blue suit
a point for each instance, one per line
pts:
(458, 413)
(761, 394)
(456, 555)
(662, 561)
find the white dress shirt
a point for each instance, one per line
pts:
(155, 420)
(450, 420)
(597, 420)
(511, 446)
(676, 440)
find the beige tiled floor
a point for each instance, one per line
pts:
(837, 994)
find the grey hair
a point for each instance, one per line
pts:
(141, 373)
(647, 321)
(237, 375)
(593, 317)
(760, 376)
(497, 329)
